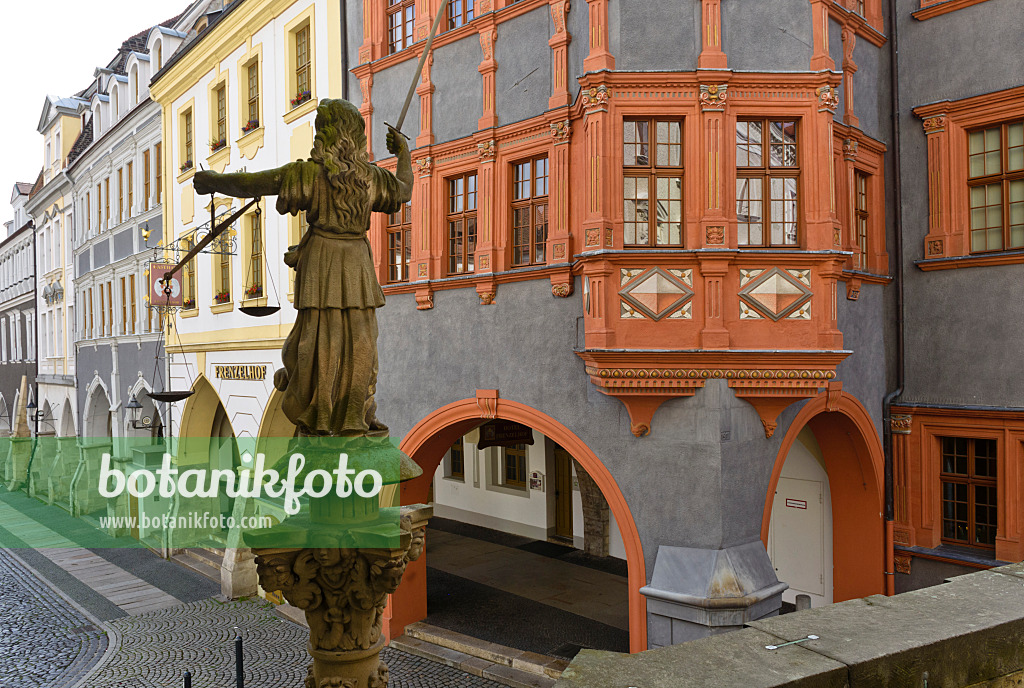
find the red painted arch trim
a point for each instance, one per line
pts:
(468, 409)
(854, 411)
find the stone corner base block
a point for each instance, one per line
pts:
(696, 592)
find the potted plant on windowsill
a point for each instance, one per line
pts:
(254, 291)
(250, 126)
(186, 166)
(222, 297)
(188, 304)
(301, 98)
(217, 145)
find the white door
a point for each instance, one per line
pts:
(798, 536)
(800, 531)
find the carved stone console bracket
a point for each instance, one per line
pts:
(769, 380)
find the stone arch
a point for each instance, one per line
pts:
(67, 420)
(855, 464)
(140, 390)
(5, 418)
(428, 441)
(97, 421)
(274, 427)
(206, 435)
(46, 420)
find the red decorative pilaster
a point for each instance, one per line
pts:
(422, 264)
(486, 240)
(850, 148)
(425, 12)
(849, 69)
(823, 228)
(426, 93)
(711, 54)
(487, 68)
(559, 43)
(820, 58)
(937, 243)
(598, 137)
(714, 334)
(373, 28)
(713, 221)
(560, 248)
(366, 108)
(599, 56)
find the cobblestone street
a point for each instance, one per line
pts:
(43, 639)
(46, 642)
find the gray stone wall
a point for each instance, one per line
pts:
(961, 324)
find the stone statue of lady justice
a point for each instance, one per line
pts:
(328, 380)
(330, 356)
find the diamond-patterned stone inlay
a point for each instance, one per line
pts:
(658, 293)
(776, 294)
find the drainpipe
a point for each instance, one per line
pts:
(890, 573)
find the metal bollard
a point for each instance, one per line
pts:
(803, 602)
(187, 679)
(239, 678)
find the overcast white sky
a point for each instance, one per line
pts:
(52, 47)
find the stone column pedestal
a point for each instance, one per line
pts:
(696, 592)
(343, 591)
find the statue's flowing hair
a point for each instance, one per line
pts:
(340, 147)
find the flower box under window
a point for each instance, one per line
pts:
(186, 166)
(250, 126)
(189, 304)
(217, 145)
(301, 98)
(255, 291)
(222, 297)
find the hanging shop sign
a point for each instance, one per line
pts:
(240, 372)
(504, 433)
(161, 294)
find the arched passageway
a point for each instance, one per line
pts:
(429, 442)
(207, 436)
(851, 456)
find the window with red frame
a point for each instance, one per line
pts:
(461, 221)
(767, 180)
(400, 244)
(459, 12)
(657, 178)
(529, 211)
(861, 218)
(401, 18)
(995, 181)
(969, 491)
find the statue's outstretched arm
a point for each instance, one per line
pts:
(239, 184)
(397, 146)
